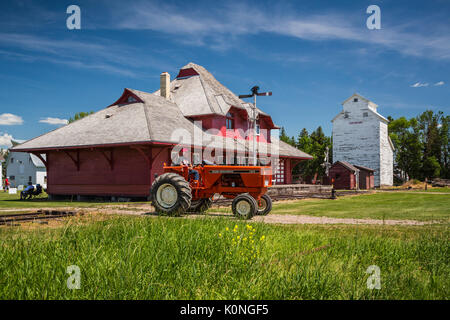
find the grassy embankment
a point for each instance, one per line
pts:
(173, 258)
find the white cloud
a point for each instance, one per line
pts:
(54, 121)
(440, 83)
(98, 54)
(219, 28)
(419, 84)
(9, 119)
(5, 140)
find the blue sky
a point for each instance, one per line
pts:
(311, 54)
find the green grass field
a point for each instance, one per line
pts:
(170, 258)
(444, 189)
(375, 206)
(12, 201)
(386, 205)
(138, 257)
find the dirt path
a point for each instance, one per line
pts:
(303, 219)
(148, 211)
(282, 218)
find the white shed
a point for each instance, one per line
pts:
(360, 137)
(1, 168)
(25, 167)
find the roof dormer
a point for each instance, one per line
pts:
(127, 97)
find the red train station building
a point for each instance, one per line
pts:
(118, 150)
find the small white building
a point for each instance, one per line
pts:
(25, 167)
(1, 168)
(360, 137)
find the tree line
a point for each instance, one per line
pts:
(314, 144)
(421, 147)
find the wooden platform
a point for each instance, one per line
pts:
(299, 189)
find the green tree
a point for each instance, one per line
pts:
(80, 115)
(314, 144)
(434, 131)
(444, 133)
(431, 167)
(5, 155)
(304, 141)
(422, 145)
(285, 138)
(429, 127)
(408, 146)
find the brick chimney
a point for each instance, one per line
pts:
(165, 85)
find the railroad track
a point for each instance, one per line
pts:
(32, 216)
(226, 202)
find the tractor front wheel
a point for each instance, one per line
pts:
(244, 206)
(264, 205)
(171, 194)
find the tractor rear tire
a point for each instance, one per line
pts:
(244, 206)
(171, 194)
(265, 207)
(200, 206)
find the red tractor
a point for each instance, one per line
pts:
(176, 191)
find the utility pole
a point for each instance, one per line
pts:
(254, 116)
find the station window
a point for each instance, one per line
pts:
(230, 121)
(280, 172)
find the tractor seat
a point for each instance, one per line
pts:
(208, 163)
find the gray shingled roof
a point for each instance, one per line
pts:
(37, 162)
(348, 165)
(364, 168)
(136, 122)
(203, 94)
(152, 120)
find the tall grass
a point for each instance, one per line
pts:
(170, 258)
